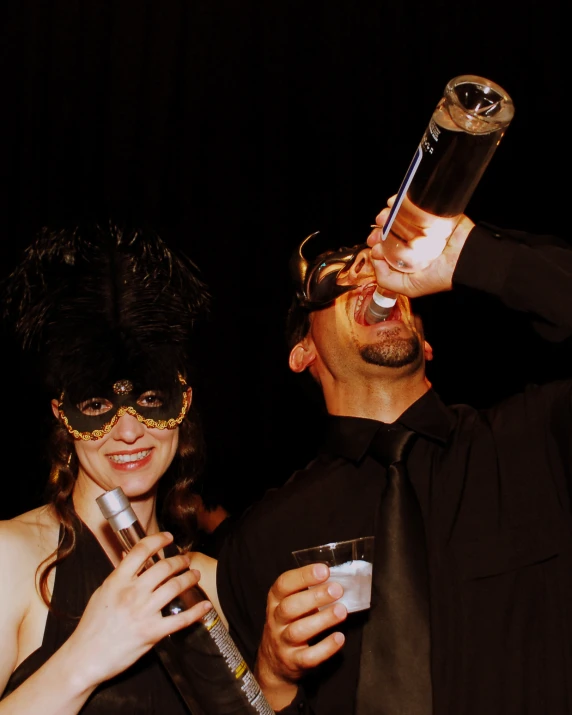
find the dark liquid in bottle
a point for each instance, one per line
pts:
(452, 164)
(209, 671)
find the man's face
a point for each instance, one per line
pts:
(344, 344)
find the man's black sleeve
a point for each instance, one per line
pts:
(531, 273)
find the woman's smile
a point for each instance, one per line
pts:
(130, 460)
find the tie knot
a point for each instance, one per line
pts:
(390, 443)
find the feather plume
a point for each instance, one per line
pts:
(102, 301)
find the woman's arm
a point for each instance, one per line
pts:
(207, 567)
(17, 567)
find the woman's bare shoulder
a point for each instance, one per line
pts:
(26, 541)
(31, 536)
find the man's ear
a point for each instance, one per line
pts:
(189, 395)
(302, 356)
(427, 351)
(55, 409)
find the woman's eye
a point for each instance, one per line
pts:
(150, 399)
(94, 406)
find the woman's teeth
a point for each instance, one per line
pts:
(122, 458)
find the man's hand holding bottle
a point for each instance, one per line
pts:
(432, 245)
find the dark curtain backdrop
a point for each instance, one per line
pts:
(237, 128)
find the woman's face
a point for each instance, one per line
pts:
(131, 456)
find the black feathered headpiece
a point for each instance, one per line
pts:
(103, 302)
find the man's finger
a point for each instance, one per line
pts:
(298, 579)
(303, 630)
(312, 656)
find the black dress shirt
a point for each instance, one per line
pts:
(495, 490)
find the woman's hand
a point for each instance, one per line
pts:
(123, 619)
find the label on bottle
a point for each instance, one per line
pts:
(236, 663)
(210, 672)
(401, 194)
(226, 646)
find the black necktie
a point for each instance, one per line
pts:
(395, 676)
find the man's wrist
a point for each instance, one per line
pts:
(280, 692)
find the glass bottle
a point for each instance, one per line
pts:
(203, 661)
(463, 133)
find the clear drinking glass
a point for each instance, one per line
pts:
(350, 564)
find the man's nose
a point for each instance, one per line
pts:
(128, 429)
(362, 265)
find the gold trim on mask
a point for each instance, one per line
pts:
(128, 410)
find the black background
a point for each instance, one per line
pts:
(238, 128)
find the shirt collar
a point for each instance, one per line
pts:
(350, 437)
